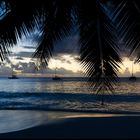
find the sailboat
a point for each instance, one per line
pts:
(132, 78)
(56, 77)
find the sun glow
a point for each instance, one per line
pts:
(126, 67)
(67, 62)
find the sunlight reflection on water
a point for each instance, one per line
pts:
(38, 93)
(37, 85)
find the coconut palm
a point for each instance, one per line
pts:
(100, 23)
(128, 24)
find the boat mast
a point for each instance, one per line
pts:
(55, 72)
(55, 69)
(132, 68)
(12, 72)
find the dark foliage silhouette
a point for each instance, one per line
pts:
(101, 25)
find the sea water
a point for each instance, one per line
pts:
(68, 94)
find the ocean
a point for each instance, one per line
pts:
(68, 94)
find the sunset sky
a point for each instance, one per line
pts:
(65, 58)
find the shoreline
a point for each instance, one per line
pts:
(118, 112)
(77, 125)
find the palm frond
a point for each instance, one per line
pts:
(99, 50)
(19, 18)
(58, 23)
(128, 25)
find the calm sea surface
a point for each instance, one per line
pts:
(67, 94)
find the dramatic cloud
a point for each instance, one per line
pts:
(29, 47)
(30, 68)
(4, 70)
(65, 57)
(19, 58)
(68, 45)
(24, 54)
(126, 73)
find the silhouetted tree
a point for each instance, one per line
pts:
(101, 25)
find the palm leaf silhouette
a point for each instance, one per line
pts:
(128, 24)
(17, 21)
(99, 30)
(57, 24)
(99, 49)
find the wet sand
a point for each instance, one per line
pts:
(43, 124)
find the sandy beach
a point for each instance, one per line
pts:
(78, 125)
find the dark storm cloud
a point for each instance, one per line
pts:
(69, 45)
(63, 60)
(29, 47)
(31, 68)
(35, 37)
(68, 62)
(24, 54)
(77, 58)
(32, 38)
(19, 58)
(17, 67)
(25, 67)
(61, 71)
(4, 71)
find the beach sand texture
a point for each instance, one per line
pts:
(79, 125)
